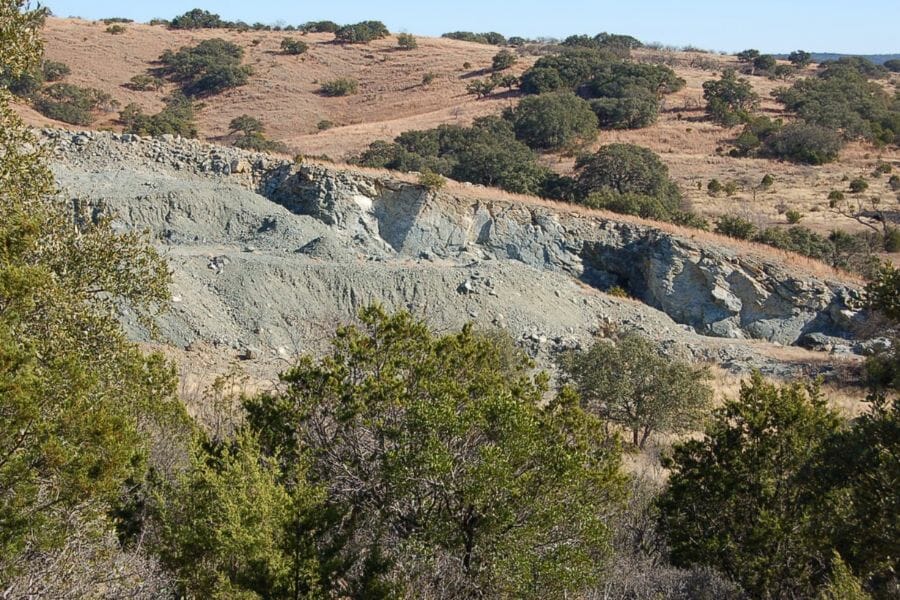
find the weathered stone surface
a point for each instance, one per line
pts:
(712, 289)
(326, 240)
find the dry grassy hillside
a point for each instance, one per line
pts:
(283, 91)
(392, 99)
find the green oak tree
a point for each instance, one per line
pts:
(729, 100)
(553, 121)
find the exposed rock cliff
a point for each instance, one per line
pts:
(269, 254)
(713, 289)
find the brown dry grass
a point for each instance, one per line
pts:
(689, 145)
(283, 90)
(392, 99)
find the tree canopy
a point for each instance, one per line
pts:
(553, 121)
(739, 498)
(81, 404)
(486, 153)
(783, 495)
(210, 67)
(730, 99)
(627, 94)
(361, 33)
(630, 383)
(437, 455)
(626, 169)
(841, 98)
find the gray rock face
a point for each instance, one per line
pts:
(712, 289)
(268, 255)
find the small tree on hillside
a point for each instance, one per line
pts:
(145, 83)
(246, 124)
(72, 104)
(252, 135)
(504, 60)
(508, 81)
(176, 118)
(292, 46)
(482, 88)
(361, 33)
(54, 71)
(407, 41)
(806, 144)
(764, 62)
(636, 108)
(800, 58)
(624, 169)
(883, 294)
(730, 99)
(343, 86)
(210, 67)
(197, 19)
(553, 121)
(747, 56)
(736, 227)
(539, 80)
(631, 384)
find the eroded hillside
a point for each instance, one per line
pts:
(268, 256)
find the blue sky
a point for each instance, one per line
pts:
(861, 26)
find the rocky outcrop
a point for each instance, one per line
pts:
(267, 254)
(716, 290)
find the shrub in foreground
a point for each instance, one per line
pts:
(751, 462)
(81, 404)
(787, 498)
(357, 457)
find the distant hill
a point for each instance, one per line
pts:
(393, 97)
(818, 57)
